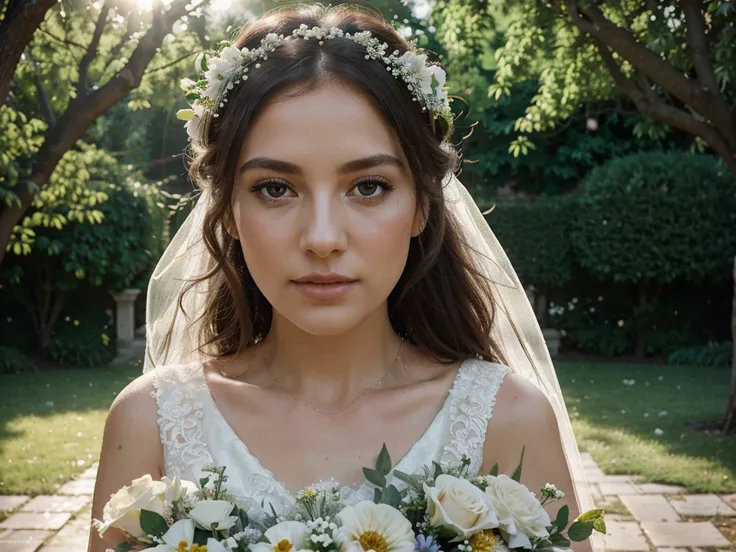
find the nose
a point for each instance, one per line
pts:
(324, 232)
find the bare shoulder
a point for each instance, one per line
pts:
(522, 417)
(519, 402)
(137, 400)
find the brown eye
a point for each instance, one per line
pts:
(275, 190)
(367, 188)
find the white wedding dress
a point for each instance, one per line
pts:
(194, 433)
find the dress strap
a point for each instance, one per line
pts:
(472, 399)
(179, 392)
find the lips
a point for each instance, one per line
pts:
(323, 286)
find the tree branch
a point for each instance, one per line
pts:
(62, 40)
(648, 104)
(91, 53)
(155, 69)
(20, 21)
(698, 43)
(591, 20)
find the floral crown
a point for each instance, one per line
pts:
(220, 72)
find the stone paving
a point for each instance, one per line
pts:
(658, 518)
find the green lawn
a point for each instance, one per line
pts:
(51, 424)
(616, 423)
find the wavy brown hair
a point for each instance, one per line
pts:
(440, 302)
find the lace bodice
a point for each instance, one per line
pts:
(194, 433)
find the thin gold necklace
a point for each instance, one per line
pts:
(352, 402)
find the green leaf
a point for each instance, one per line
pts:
(580, 530)
(201, 536)
(153, 523)
(377, 496)
(437, 470)
(446, 532)
(372, 476)
(494, 470)
(563, 516)
(516, 476)
(559, 540)
(590, 515)
(391, 496)
(411, 480)
(600, 525)
(383, 463)
(124, 547)
(203, 481)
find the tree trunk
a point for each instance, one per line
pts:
(83, 111)
(22, 19)
(642, 331)
(730, 424)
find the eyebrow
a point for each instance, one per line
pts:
(351, 166)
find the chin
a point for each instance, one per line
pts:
(326, 320)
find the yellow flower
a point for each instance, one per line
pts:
(483, 541)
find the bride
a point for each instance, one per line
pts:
(334, 289)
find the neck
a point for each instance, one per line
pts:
(331, 370)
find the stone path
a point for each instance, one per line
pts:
(660, 518)
(57, 523)
(648, 518)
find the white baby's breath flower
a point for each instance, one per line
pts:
(378, 527)
(520, 514)
(123, 510)
(460, 504)
(213, 514)
(286, 536)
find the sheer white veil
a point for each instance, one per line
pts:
(516, 328)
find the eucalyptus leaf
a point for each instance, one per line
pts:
(374, 477)
(391, 496)
(516, 476)
(494, 470)
(377, 496)
(411, 480)
(383, 463)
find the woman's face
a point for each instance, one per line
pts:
(324, 207)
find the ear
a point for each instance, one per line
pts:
(232, 229)
(420, 218)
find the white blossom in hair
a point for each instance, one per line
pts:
(221, 72)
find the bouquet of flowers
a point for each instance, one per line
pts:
(443, 509)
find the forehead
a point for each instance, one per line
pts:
(331, 122)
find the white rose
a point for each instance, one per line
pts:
(520, 513)
(177, 489)
(123, 510)
(460, 504)
(207, 513)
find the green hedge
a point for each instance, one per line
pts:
(535, 236)
(656, 217)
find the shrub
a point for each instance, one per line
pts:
(708, 355)
(83, 337)
(649, 219)
(535, 236)
(13, 361)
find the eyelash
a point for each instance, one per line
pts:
(381, 182)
